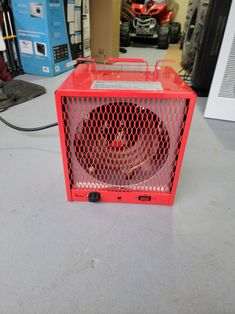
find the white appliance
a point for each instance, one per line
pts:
(221, 101)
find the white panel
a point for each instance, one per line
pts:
(221, 101)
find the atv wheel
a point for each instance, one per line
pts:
(163, 36)
(125, 34)
(127, 15)
(193, 34)
(187, 21)
(175, 32)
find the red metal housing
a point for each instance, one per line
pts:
(123, 130)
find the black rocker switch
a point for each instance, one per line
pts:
(94, 197)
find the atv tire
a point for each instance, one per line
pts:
(125, 34)
(194, 34)
(163, 37)
(127, 15)
(187, 20)
(175, 32)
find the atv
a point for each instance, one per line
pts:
(151, 20)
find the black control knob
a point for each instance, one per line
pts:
(94, 197)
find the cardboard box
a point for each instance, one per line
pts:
(105, 28)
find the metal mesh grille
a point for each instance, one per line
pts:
(128, 144)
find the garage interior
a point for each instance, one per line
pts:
(78, 257)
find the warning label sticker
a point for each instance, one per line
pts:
(126, 85)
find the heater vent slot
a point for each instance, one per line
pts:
(228, 85)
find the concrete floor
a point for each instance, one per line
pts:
(58, 257)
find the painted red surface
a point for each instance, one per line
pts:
(127, 144)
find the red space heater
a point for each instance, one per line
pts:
(123, 130)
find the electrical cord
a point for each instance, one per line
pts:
(18, 128)
(5, 108)
(2, 110)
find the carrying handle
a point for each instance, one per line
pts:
(127, 60)
(157, 64)
(162, 61)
